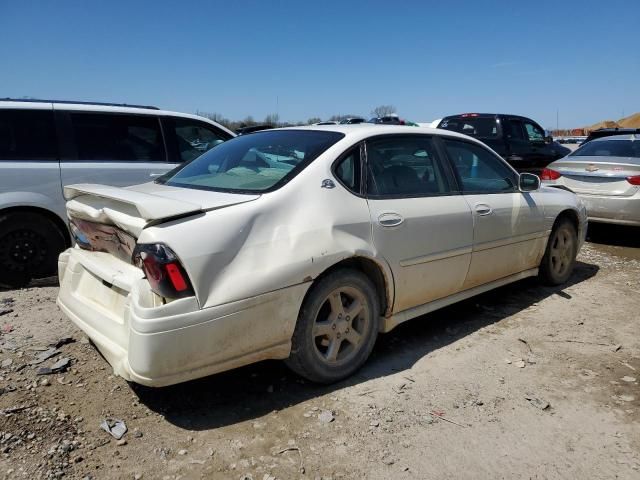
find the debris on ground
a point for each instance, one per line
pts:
(6, 312)
(44, 356)
(326, 416)
(62, 341)
(114, 427)
(59, 366)
(537, 402)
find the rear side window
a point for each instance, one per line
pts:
(404, 167)
(194, 138)
(130, 138)
(348, 170)
(479, 171)
(27, 135)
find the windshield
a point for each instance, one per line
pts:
(486, 127)
(252, 163)
(609, 148)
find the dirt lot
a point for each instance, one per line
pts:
(523, 382)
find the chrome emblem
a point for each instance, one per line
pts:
(591, 168)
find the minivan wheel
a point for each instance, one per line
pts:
(29, 247)
(337, 327)
(560, 256)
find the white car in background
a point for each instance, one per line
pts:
(46, 144)
(303, 244)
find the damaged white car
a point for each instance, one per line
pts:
(303, 244)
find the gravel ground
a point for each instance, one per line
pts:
(523, 382)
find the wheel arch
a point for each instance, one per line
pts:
(53, 217)
(572, 216)
(379, 276)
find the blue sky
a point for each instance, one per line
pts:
(303, 59)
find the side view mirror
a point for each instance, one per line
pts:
(528, 182)
(548, 140)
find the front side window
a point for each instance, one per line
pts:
(259, 162)
(27, 135)
(533, 132)
(117, 137)
(194, 138)
(479, 171)
(404, 167)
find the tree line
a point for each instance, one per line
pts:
(274, 118)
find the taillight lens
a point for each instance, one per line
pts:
(548, 174)
(635, 180)
(163, 270)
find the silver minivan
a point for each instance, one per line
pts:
(45, 145)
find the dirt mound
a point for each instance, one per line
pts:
(632, 121)
(603, 124)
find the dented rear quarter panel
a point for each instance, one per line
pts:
(284, 238)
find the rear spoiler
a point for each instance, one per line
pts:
(148, 207)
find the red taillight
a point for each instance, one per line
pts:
(548, 174)
(163, 270)
(635, 180)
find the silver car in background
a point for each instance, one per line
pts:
(605, 174)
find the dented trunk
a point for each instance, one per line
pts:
(134, 208)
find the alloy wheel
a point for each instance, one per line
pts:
(562, 251)
(341, 326)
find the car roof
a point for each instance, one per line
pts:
(361, 131)
(33, 104)
(625, 136)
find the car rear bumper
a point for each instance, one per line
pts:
(610, 209)
(157, 344)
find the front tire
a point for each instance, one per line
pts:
(560, 256)
(29, 247)
(337, 327)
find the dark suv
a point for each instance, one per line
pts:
(519, 140)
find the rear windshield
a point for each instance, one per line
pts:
(485, 127)
(253, 163)
(609, 148)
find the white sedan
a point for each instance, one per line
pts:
(303, 244)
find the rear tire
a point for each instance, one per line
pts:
(337, 327)
(560, 256)
(29, 247)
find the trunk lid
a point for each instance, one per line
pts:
(133, 208)
(598, 175)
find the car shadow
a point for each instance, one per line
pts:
(615, 235)
(255, 390)
(36, 283)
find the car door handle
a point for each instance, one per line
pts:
(154, 175)
(483, 209)
(390, 219)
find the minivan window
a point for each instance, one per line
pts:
(484, 127)
(27, 135)
(194, 138)
(118, 137)
(259, 162)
